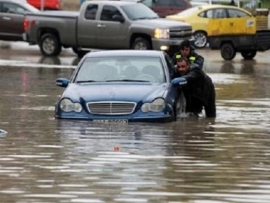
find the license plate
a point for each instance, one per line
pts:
(119, 121)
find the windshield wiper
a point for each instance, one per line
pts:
(85, 81)
(127, 80)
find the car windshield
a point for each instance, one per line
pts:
(122, 68)
(139, 11)
(189, 11)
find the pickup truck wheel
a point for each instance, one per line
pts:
(248, 55)
(200, 39)
(50, 45)
(228, 52)
(141, 44)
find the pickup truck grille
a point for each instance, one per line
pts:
(180, 32)
(111, 108)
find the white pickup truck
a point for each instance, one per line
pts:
(104, 25)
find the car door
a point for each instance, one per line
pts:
(111, 33)
(87, 27)
(12, 17)
(219, 23)
(241, 22)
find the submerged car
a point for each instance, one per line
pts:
(121, 86)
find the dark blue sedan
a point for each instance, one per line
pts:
(121, 86)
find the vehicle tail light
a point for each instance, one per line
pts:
(26, 24)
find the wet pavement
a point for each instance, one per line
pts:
(43, 160)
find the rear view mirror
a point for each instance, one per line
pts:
(179, 81)
(62, 82)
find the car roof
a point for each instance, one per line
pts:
(141, 53)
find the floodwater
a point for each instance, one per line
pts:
(43, 160)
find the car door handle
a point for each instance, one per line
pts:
(6, 18)
(101, 25)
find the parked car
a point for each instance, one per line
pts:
(48, 4)
(12, 19)
(228, 28)
(199, 22)
(104, 25)
(121, 86)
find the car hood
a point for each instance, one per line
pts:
(117, 92)
(163, 23)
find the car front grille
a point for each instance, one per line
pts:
(180, 32)
(111, 108)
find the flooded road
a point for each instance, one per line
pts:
(43, 160)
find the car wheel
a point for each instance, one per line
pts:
(79, 52)
(228, 52)
(50, 45)
(141, 44)
(200, 39)
(248, 55)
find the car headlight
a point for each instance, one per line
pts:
(161, 33)
(156, 106)
(67, 105)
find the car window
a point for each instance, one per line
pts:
(145, 12)
(219, 13)
(234, 13)
(108, 12)
(12, 8)
(170, 3)
(121, 68)
(91, 11)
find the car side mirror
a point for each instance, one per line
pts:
(118, 18)
(179, 81)
(62, 82)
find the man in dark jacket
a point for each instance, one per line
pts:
(188, 51)
(199, 90)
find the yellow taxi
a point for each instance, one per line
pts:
(216, 20)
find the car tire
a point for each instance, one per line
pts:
(228, 52)
(141, 44)
(50, 45)
(248, 55)
(200, 39)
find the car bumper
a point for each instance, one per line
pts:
(137, 117)
(166, 44)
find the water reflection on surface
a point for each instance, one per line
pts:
(191, 160)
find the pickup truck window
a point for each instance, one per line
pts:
(91, 11)
(144, 12)
(12, 8)
(108, 12)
